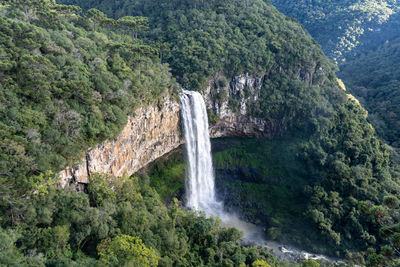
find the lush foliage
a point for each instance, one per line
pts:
(350, 165)
(264, 181)
(124, 249)
(131, 227)
(361, 36)
(206, 40)
(345, 27)
(65, 87)
(374, 77)
(69, 81)
(205, 37)
(313, 192)
(167, 176)
(333, 194)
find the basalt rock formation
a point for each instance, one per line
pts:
(234, 120)
(151, 133)
(155, 131)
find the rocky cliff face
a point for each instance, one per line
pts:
(151, 133)
(155, 130)
(230, 102)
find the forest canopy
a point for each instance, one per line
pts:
(345, 28)
(67, 84)
(374, 77)
(69, 79)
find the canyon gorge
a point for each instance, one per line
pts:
(155, 130)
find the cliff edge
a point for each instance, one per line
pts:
(155, 130)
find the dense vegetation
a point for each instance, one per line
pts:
(203, 39)
(364, 33)
(167, 176)
(264, 181)
(68, 81)
(328, 195)
(119, 223)
(361, 36)
(335, 184)
(345, 163)
(66, 86)
(345, 27)
(374, 77)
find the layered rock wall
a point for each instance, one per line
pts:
(155, 130)
(230, 102)
(151, 133)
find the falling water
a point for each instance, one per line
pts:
(200, 189)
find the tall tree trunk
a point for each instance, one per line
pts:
(139, 69)
(134, 36)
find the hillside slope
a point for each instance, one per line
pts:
(374, 77)
(206, 40)
(65, 86)
(346, 27)
(348, 167)
(363, 37)
(68, 82)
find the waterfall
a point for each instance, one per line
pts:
(200, 188)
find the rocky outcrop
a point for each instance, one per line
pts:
(155, 130)
(151, 133)
(230, 102)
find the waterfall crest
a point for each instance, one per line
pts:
(200, 188)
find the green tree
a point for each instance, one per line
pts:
(133, 24)
(162, 47)
(260, 263)
(310, 263)
(125, 250)
(391, 201)
(9, 254)
(100, 189)
(395, 241)
(96, 16)
(54, 241)
(374, 260)
(68, 9)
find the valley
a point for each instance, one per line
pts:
(106, 161)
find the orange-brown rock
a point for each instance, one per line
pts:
(155, 130)
(151, 133)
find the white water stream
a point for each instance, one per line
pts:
(200, 188)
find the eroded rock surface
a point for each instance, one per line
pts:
(230, 101)
(151, 133)
(155, 130)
